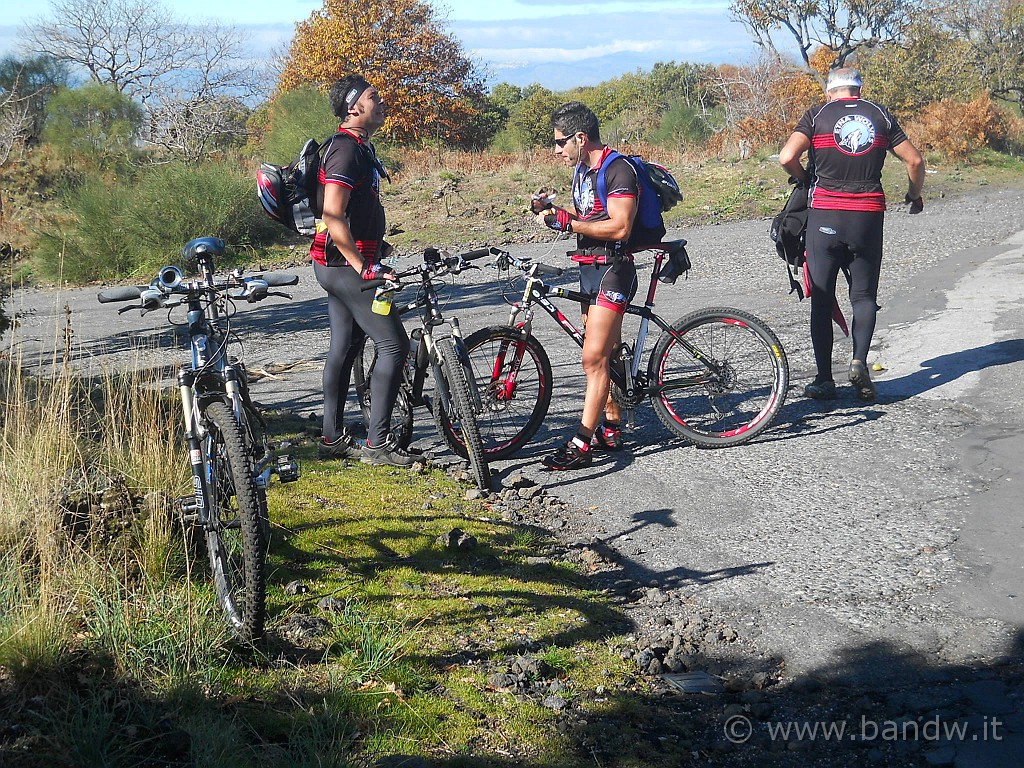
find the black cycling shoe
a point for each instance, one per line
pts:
(343, 447)
(607, 439)
(821, 390)
(861, 380)
(389, 454)
(569, 456)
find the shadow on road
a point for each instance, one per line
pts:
(946, 368)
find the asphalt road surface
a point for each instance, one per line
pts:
(846, 538)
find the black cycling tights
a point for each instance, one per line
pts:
(836, 239)
(348, 308)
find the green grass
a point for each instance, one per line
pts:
(113, 652)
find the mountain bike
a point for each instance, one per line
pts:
(716, 377)
(230, 456)
(456, 403)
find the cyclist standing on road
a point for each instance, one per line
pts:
(346, 251)
(606, 237)
(846, 140)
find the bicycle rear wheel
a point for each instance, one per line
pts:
(401, 414)
(462, 419)
(513, 377)
(733, 393)
(235, 537)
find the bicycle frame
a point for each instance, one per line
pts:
(426, 354)
(626, 378)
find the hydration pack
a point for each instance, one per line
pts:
(292, 194)
(659, 191)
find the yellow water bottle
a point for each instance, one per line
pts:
(381, 301)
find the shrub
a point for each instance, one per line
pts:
(293, 117)
(120, 229)
(93, 125)
(956, 129)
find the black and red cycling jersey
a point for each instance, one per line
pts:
(347, 162)
(849, 140)
(620, 181)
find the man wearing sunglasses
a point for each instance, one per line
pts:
(607, 233)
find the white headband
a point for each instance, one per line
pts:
(852, 80)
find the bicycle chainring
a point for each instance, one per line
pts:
(620, 399)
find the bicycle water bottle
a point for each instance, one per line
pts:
(382, 301)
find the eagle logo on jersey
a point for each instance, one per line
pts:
(584, 198)
(854, 134)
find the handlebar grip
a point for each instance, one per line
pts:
(278, 279)
(369, 285)
(125, 293)
(479, 253)
(548, 270)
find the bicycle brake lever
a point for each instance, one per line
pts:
(282, 294)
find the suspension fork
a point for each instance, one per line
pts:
(194, 435)
(505, 371)
(463, 360)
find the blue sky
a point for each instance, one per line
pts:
(558, 44)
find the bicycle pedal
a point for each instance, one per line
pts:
(287, 469)
(186, 504)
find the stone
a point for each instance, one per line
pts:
(293, 588)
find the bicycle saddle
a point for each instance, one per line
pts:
(213, 246)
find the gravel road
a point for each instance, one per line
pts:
(851, 541)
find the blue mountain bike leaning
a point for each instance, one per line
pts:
(229, 453)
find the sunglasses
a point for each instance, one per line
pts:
(563, 141)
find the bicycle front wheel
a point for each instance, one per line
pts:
(401, 414)
(235, 537)
(513, 376)
(462, 419)
(724, 389)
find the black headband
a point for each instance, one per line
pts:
(353, 93)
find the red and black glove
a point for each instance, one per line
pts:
(372, 270)
(560, 220)
(916, 206)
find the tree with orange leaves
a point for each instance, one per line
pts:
(432, 88)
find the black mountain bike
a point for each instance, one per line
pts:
(716, 377)
(456, 403)
(230, 455)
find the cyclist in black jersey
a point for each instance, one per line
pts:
(347, 249)
(606, 236)
(847, 139)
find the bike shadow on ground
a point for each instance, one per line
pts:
(804, 417)
(937, 371)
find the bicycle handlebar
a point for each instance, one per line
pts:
(526, 265)
(254, 288)
(125, 293)
(433, 262)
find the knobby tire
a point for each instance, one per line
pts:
(727, 406)
(235, 537)
(515, 393)
(454, 379)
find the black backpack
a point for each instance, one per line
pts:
(292, 195)
(789, 231)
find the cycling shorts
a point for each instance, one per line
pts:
(609, 285)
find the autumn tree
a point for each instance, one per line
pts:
(841, 26)
(430, 85)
